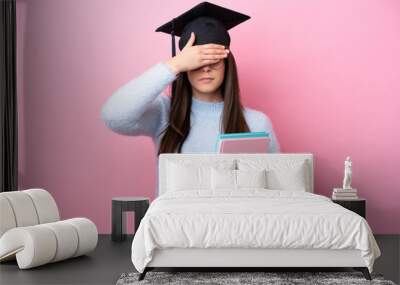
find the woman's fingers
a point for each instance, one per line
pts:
(211, 52)
(190, 41)
(209, 61)
(192, 57)
(213, 46)
(213, 56)
(215, 51)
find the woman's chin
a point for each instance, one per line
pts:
(208, 89)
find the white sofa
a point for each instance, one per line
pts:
(31, 231)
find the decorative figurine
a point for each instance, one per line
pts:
(347, 174)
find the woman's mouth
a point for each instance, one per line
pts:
(206, 79)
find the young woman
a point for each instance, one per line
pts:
(205, 104)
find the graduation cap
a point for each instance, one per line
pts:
(208, 21)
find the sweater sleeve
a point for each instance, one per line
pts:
(274, 146)
(260, 122)
(138, 107)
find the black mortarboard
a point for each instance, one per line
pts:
(208, 21)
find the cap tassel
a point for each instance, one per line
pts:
(173, 86)
(173, 38)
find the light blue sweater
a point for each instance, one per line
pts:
(140, 108)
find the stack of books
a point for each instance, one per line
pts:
(247, 142)
(344, 194)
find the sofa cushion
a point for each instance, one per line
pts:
(27, 208)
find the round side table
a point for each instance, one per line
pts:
(121, 205)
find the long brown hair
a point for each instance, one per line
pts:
(233, 120)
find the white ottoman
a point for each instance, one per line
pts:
(31, 232)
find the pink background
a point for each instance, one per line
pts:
(326, 73)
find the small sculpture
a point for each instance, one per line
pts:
(347, 174)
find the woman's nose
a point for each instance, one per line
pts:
(206, 68)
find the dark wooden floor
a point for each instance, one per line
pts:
(102, 266)
(111, 259)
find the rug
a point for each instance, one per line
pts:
(269, 278)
